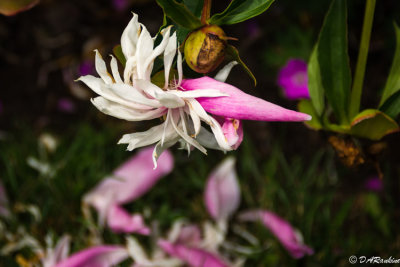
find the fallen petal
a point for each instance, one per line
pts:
(99, 256)
(192, 256)
(284, 232)
(222, 193)
(120, 221)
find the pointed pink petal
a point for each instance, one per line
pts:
(222, 193)
(99, 256)
(293, 79)
(194, 257)
(239, 105)
(283, 231)
(121, 221)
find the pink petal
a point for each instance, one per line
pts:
(293, 78)
(239, 105)
(121, 221)
(283, 231)
(99, 256)
(222, 193)
(233, 131)
(192, 256)
(130, 181)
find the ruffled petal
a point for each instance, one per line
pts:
(125, 113)
(130, 37)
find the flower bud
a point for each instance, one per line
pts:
(205, 48)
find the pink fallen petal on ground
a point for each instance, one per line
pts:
(99, 256)
(120, 221)
(293, 79)
(194, 257)
(130, 181)
(284, 232)
(222, 192)
(239, 105)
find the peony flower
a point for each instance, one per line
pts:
(98, 256)
(130, 181)
(290, 238)
(293, 79)
(182, 104)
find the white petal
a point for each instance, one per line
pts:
(166, 98)
(195, 105)
(156, 52)
(131, 94)
(219, 135)
(198, 93)
(222, 75)
(169, 55)
(114, 70)
(102, 69)
(130, 37)
(141, 139)
(122, 112)
(159, 148)
(100, 88)
(186, 137)
(195, 119)
(179, 66)
(144, 50)
(136, 251)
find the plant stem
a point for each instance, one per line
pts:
(362, 59)
(205, 14)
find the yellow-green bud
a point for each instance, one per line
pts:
(205, 48)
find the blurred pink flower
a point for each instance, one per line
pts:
(66, 105)
(374, 184)
(129, 182)
(98, 256)
(290, 238)
(120, 5)
(222, 192)
(239, 105)
(86, 68)
(4, 210)
(194, 257)
(293, 79)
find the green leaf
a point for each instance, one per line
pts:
(391, 106)
(393, 82)
(240, 10)
(195, 6)
(315, 84)
(159, 78)
(334, 61)
(373, 124)
(117, 50)
(233, 53)
(180, 14)
(13, 7)
(307, 107)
